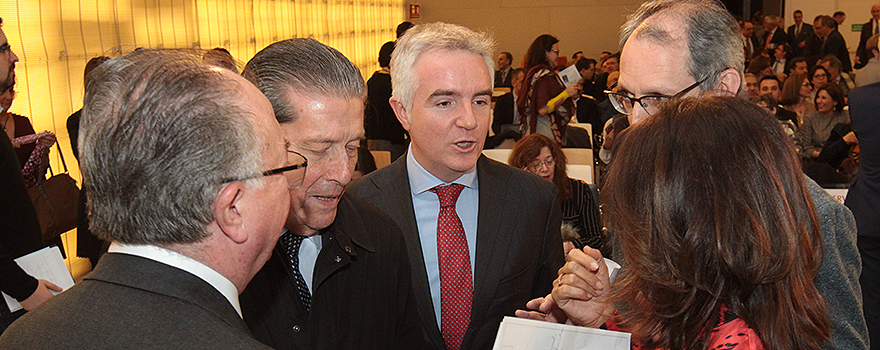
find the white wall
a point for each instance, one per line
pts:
(590, 26)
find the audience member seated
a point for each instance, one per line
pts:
(835, 75)
(32, 151)
(505, 114)
(870, 71)
(797, 65)
(817, 125)
(760, 67)
(751, 82)
(818, 77)
(544, 102)
(543, 157)
(796, 96)
(770, 85)
(383, 130)
(780, 58)
(690, 230)
(768, 103)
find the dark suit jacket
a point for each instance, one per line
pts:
(778, 38)
(503, 112)
(507, 80)
(864, 194)
(130, 302)
(519, 247)
(19, 228)
(795, 41)
(861, 51)
(836, 45)
(362, 291)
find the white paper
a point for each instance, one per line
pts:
(570, 75)
(524, 334)
(45, 264)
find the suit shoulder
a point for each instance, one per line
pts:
(518, 180)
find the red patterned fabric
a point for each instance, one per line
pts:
(30, 169)
(730, 333)
(456, 286)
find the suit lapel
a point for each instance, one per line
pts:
(492, 242)
(393, 185)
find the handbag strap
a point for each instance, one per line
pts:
(60, 154)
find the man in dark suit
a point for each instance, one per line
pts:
(505, 112)
(773, 35)
(864, 198)
(188, 229)
(868, 29)
(485, 237)
(798, 33)
(826, 27)
(751, 46)
(504, 76)
(339, 277)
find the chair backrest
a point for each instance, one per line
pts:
(382, 158)
(586, 126)
(500, 155)
(582, 156)
(580, 172)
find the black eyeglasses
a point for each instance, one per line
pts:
(5, 47)
(295, 161)
(651, 103)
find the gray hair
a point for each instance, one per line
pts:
(160, 133)
(433, 37)
(307, 67)
(714, 38)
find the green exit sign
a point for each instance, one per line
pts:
(856, 28)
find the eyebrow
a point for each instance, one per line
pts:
(442, 93)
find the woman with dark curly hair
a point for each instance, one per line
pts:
(719, 252)
(543, 157)
(544, 103)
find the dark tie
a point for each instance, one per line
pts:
(291, 245)
(797, 31)
(456, 286)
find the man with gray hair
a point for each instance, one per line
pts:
(700, 35)
(339, 277)
(176, 156)
(484, 237)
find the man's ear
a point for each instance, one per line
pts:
(400, 112)
(226, 213)
(730, 80)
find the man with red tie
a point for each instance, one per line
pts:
(483, 237)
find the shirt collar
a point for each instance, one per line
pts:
(420, 180)
(185, 263)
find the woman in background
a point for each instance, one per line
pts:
(796, 96)
(544, 103)
(817, 126)
(580, 214)
(19, 130)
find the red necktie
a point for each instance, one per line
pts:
(456, 286)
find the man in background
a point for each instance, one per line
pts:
(870, 28)
(834, 44)
(798, 33)
(503, 76)
(339, 277)
(187, 171)
(484, 237)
